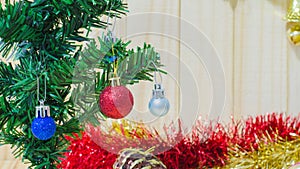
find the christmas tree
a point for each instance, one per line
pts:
(44, 38)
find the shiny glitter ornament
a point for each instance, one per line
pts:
(293, 25)
(116, 101)
(43, 126)
(159, 105)
(137, 159)
(294, 32)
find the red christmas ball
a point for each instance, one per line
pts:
(116, 101)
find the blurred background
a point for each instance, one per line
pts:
(260, 67)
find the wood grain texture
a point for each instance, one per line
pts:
(149, 21)
(7, 160)
(293, 56)
(260, 58)
(214, 20)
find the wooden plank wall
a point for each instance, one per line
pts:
(261, 57)
(260, 66)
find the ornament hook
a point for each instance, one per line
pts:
(38, 89)
(155, 74)
(42, 110)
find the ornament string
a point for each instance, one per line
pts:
(114, 24)
(155, 73)
(45, 90)
(111, 31)
(111, 36)
(115, 64)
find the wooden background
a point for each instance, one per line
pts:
(260, 65)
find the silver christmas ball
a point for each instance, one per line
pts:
(159, 105)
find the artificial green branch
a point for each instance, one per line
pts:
(44, 36)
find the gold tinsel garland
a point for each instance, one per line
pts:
(277, 155)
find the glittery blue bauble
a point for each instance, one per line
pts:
(159, 106)
(43, 128)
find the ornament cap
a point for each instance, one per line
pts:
(293, 14)
(158, 91)
(115, 81)
(42, 110)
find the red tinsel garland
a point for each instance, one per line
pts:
(206, 147)
(85, 154)
(272, 125)
(196, 152)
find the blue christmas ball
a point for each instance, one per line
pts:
(43, 128)
(159, 106)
